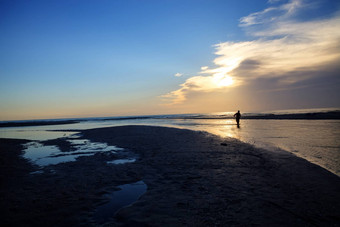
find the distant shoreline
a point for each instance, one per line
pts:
(304, 116)
(37, 123)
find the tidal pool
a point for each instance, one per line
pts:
(128, 194)
(50, 155)
(121, 161)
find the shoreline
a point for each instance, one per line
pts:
(193, 178)
(37, 123)
(330, 115)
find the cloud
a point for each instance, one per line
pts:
(273, 1)
(178, 74)
(282, 46)
(200, 84)
(272, 14)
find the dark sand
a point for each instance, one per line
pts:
(193, 179)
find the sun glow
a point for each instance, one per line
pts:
(221, 80)
(226, 82)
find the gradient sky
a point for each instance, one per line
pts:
(82, 58)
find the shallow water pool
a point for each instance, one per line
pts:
(127, 195)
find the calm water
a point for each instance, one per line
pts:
(128, 194)
(318, 141)
(51, 155)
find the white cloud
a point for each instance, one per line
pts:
(218, 80)
(178, 74)
(301, 45)
(273, 1)
(273, 14)
(281, 46)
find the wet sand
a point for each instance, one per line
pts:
(193, 179)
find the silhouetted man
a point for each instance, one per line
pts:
(238, 116)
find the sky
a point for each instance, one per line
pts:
(90, 58)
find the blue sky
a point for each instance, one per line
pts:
(104, 58)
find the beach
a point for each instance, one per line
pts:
(193, 178)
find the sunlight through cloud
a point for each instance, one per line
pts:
(281, 47)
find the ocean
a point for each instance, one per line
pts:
(312, 134)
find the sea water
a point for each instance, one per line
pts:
(317, 141)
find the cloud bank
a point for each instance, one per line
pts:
(283, 49)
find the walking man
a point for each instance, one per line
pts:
(237, 116)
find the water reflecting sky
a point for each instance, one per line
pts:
(315, 140)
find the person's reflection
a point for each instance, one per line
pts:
(237, 117)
